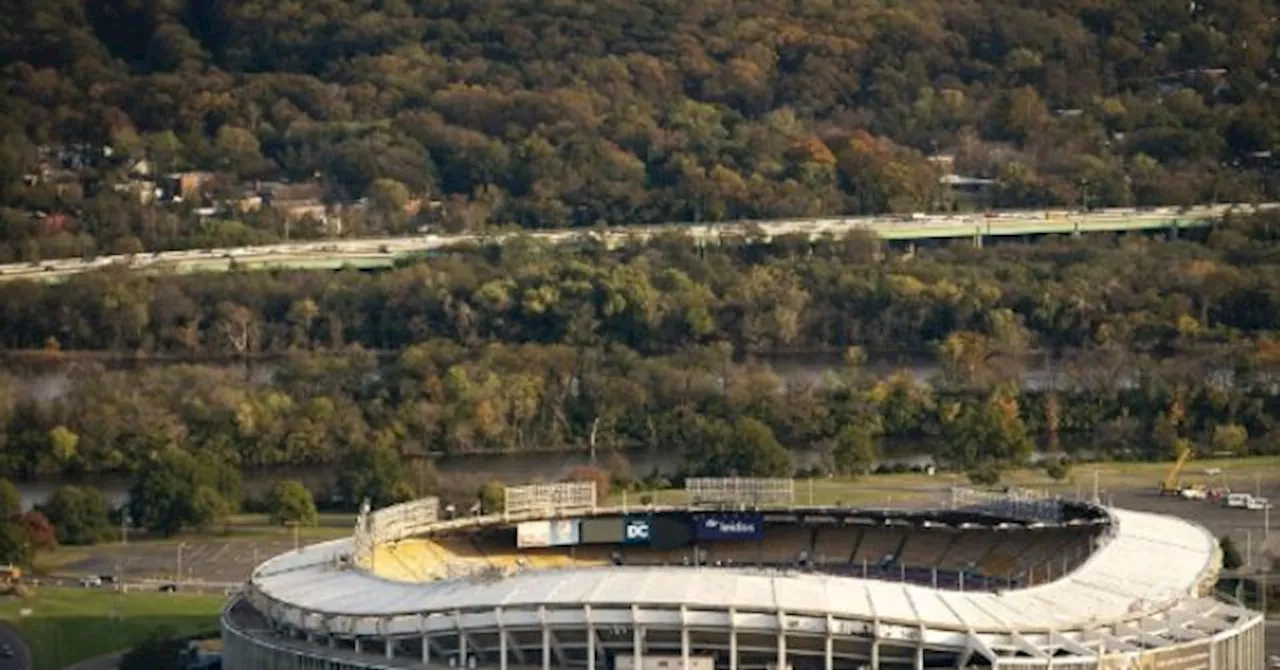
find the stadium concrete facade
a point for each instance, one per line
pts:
(738, 577)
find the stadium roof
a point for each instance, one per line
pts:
(1152, 563)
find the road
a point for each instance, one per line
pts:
(21, 659)
(383, 251)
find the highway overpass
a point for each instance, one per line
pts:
(383, 252)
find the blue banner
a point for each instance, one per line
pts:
(637, 530)
(729, 527)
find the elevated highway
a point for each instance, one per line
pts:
(383, 252)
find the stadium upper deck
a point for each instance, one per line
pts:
(1141, 594)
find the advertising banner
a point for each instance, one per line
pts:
(533, 534)
(564, 532)
(728, 527)
(637, 529)
(607, 530)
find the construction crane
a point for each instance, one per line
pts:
(1172, 484)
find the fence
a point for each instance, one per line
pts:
(549, 499)
(738, 491)
(390, 524)
(1021, 504)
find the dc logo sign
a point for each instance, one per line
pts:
(637, 531)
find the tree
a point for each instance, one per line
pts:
(755, 452)
(373, 472)
(291, 503)
(591, 473)
(175, 490)
(160, 650)
(987, 474)
(492, 497)
(79, 514)
(207, 507)
(1231, 438)
(239, 151)
(15, 548)
(38, 531)
(10, 500)
(62, 444)
(1231, 558)
(855, 449)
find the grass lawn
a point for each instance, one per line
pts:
(68, 625)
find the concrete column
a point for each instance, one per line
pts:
(733, 639)
(462, 649)
(637, 637)
(684, 639)
(391, 648)
(591, 647)
(359, 647)
(782, 641)
(426, 649)
(502, 649)
(546, 646)
(829, 653)
(875, 654)
(920, 651)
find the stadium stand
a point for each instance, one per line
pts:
(884, 590)
(836, 544)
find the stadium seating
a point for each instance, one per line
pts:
(880, 545)
(987, 558)
(928, 548)
(968, 550)
(835, 544)
(782, 545)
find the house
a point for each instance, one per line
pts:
(946, 163)
(295, 201)
(141, 169)
(145, 190)
(186, 185)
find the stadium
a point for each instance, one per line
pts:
(738, 576)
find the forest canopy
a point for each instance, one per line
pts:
(551, 114)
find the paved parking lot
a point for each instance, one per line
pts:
(212, 559)
(1241, 524)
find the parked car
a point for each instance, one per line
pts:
(92, 581)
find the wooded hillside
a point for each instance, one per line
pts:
(572, 113)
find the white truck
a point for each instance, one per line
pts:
(1237, 500)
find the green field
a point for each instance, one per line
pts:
(66, 625)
